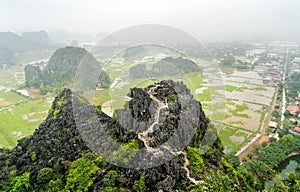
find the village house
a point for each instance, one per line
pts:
(273, 125)
(293, 109)
(293, 120)
(297, 99)
(297, 129)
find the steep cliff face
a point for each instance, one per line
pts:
(58, 155)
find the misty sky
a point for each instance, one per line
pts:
(205, 19)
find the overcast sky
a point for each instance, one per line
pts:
(205, 19)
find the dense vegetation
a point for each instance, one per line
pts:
(264, 166)
(230, 61)
(62, 68)
(294, 85)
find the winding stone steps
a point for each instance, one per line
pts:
(144, 137)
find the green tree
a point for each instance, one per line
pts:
(21, 183)
(139, 186)
(275, 114)
(126, 152)
(45, 175)
(257, 149)
(264, 144)
(227, 61)
(233, 159)
(110, 178)
(195, 158)
(250, 155)
(81, 175)
(55, 185)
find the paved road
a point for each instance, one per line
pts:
(283, 104)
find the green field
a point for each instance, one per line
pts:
(19, 115)
(13, 77)
(21, 121)
(9, 98)
(228, 135)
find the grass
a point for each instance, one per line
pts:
(230, 145)
(204, 96)
(230, 88)
(13, 77)
(261, 121)
(9, 98)
(23, 118)
(260, 89)
(238, 109)
(193, 80)
(98, 96)
(236, 122)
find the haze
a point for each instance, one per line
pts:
(209, 20)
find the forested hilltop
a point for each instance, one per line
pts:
(55, 158)
(168, 66)
(61, 70)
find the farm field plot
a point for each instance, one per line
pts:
(247, 101)
(19, 115)
(21, 120)
(115, 98)
(9, 98)
(13, 77)
(237, 103)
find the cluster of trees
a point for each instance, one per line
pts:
(230, 61)
(221, 50)
(264, 166)
(80, 176)
(167, 66)
(294, 85)
(134, 52)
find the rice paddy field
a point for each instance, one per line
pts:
(21, 110)
(236, 101)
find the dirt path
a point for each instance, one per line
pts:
(185, 167)
(262, 138)
(269, 117)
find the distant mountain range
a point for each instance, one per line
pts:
(29, 41)
(65, 37)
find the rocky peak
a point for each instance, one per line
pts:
(159, 118)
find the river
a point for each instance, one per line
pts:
(288, 165)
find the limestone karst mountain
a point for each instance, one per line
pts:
(62, 68)
(58, 156)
